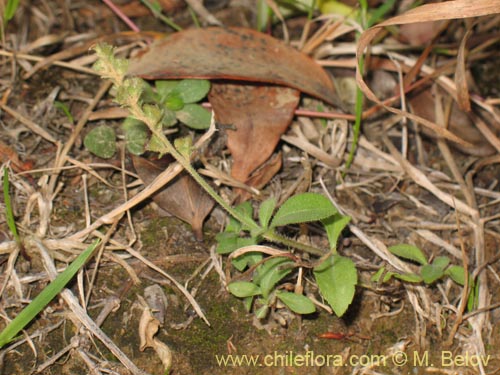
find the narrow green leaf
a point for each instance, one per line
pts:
(296, 302)
(101, 141)
(334, 225)
(64, 108)
(472, 301)
(194, 116)
(408, 277)
(409, 252)
(302, 208)
(244, 289)
(10, 9)
(377, 14)
(262, 312)
(47, 294)
(247, 303)
(192, 90)
(266, 211)
(382, 276)
(337, 278)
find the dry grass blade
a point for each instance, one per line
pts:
(430, 12)
(82, 315)
(35, 128)
(422, 180)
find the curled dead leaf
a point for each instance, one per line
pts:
(148, 327)
(182, 197)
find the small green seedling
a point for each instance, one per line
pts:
(153, 108)
(336, 275)
(43, 299)
(429, 273)
(171, 101)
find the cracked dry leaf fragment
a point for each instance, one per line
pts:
(181, 197)
(148, 327)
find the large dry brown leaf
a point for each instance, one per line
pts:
(234, 54)
(258, 81)
(182, 197)
(259, 115)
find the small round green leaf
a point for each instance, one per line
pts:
(441, 262)
(165, 87)
(136, 135)
(192, 90)
(101, 141)
(296, 302)
(302, 208)
(174, 102)
(194, 116)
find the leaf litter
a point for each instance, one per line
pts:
(444, 203)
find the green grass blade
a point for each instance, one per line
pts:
(40, 301)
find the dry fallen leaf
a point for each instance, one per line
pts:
(182, 197)
(259, 114)
(256, 84)
(237, 54)
(148, 327)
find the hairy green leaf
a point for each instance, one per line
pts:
(408, 277)
(409, 252)
(296, 302)
(272, 271)
(334, 225)
(174, 102)
(302, 208)
(430, 273)
(101, 141)
(192, 90)
(337, 278)
(136, 135)
(457, 274)
(266, 211)
(194, 116)
(244, 289)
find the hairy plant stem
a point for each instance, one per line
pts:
(136, 111)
